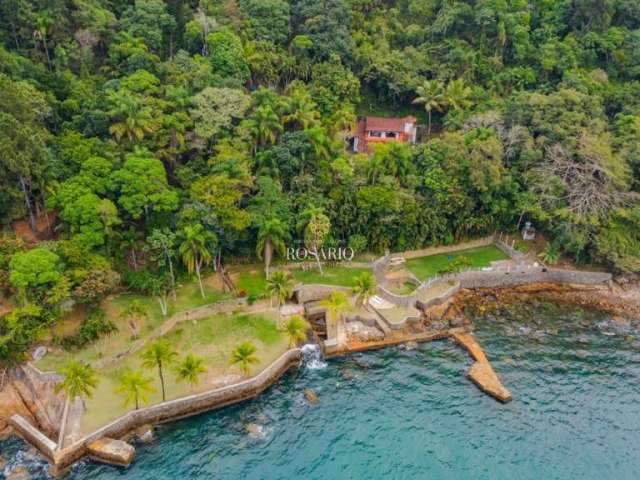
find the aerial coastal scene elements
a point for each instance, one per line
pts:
(319, 239)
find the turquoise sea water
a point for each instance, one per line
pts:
(404, 414)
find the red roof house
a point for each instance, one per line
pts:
(372, 130)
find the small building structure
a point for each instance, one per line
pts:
(372, 130)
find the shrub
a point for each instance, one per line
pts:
(95, 326)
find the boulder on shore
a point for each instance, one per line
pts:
(114, 452)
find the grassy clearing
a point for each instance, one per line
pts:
(427, 267)
(212, 338)
(187, 297)
(342, 276)
(250, 279)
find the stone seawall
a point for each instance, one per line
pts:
(529, 274)
(164, 412)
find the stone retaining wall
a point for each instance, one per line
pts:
(315, 292)
(529, 274)
(165, 412)
(440, 299)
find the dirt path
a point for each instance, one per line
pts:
(223, 307)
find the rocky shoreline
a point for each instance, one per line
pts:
(619, 300)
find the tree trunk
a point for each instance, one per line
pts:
(268, 254)
(164, 307)
(199, 279)
(137, 402)
(46, 51)
(164, 399)
(429, 124)
(134, 259)
(27, 201)
(318, 262)
(172, 276)
(63, 423)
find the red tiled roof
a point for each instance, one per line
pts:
(388, 124)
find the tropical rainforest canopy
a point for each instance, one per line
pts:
(199, 128)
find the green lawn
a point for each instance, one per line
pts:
(427, 267)
(342, 276)
(523, 246)
(213, 338)
(187, 297)
(250, 279)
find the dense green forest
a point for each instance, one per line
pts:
(181, 132)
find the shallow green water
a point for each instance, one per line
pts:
(401, 414)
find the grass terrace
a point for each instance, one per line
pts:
(213, 338)
(188, 297)
(428, 267)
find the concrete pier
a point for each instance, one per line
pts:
(481, 372)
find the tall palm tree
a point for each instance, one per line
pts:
(364, 289)
(431, 95)
(316, 228)
(244, 355)
(266, 125)
(299, 108)
(158, 355)
(193, 250)
(80, 380)
(272, 235)
(134, 314)
(336, 304)
(457, 95)
(135, 387)
(280, 285)
(190, 369)
(296, 328)
(130, 118)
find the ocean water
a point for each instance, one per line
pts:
(411, 413)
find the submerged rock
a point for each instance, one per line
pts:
(19, 472)
(411, 345)
(311, 396)
(255, 430)
(145, 434)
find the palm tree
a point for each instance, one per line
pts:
(80, 380)
(300, 109)
(133, 315)
(244, 355)
(272, 234)
(130, 118)
(135, 387)
(193, 250)
(296, 328)
(265, 125)
(280, 286)
(364, 289)
(190, 369)
(550, 255)
(335, 305)
(457, 95)
(431, 95)
(316, 228)
(159, 354)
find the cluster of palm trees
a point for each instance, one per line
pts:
(435, 95)
(81, 379)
